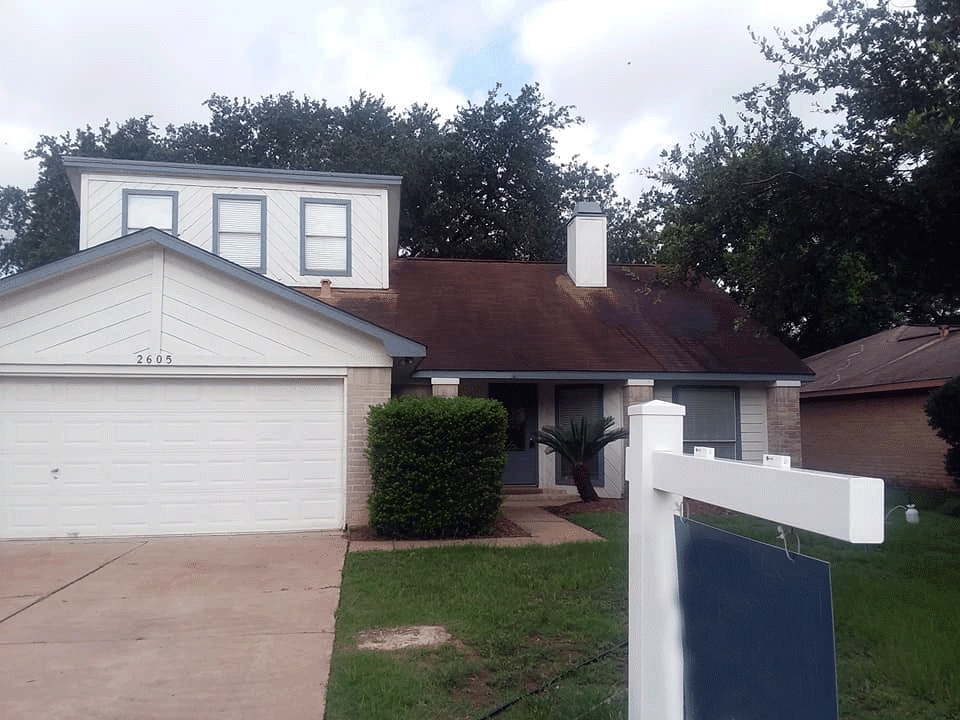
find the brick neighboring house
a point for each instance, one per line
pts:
(864, 412)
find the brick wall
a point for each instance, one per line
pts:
(783, 424)
(883, 435)
(365, 387)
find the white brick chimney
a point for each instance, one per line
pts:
(587, 245)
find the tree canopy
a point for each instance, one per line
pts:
(827, 235)
(824, 231)
(483, 184)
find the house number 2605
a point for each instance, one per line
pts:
(158, 359)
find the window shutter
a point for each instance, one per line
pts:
(325, 237)
(711, 418)
(240, 231)
(573, 402)
(149, 211)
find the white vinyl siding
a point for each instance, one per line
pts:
(369, 222)
(325, 237)
(712, 419)
(239, 230)
(145, 208)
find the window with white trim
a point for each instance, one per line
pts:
(240, 230)
(712, 419)
(324, 237)
(149, 208)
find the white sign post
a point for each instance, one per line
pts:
(660, 475)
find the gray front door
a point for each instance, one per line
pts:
(520, 400)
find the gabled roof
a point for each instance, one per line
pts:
(902, 358)
(394, 344)
(528, 320)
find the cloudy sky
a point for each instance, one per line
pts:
(644, 75)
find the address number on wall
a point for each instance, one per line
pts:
(154, 359)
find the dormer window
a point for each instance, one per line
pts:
(325, 246)
(240, 230)
(149, 208)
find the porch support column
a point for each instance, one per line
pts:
(635, 391)
(783, 420)
(445, 386)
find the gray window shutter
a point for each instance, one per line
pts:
(574, 402)
(711, 419)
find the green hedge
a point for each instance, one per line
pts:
(437, 466)
(943, 415)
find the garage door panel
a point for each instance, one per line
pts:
(175, 455)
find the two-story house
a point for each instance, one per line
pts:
(206, 361)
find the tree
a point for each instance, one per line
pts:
(826, 236)
(943, 415)
(579, 444)
(483, 184)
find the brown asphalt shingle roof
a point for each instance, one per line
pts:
(904, 357)
(521, 317)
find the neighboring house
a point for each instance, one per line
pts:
(205, 363)
(864, 412)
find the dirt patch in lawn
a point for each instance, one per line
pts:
(400, 638)
(501, 528)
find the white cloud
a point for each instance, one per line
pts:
(645, 75)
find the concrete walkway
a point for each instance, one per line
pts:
(527, 511)
(228, 627)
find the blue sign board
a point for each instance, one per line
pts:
(758, 629)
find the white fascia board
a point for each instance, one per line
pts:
(76, 165)
(235, 371)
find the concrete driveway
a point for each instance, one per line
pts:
(185, 627)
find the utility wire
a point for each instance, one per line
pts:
(536, 691)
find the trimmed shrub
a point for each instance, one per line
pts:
(437, 466)
(943, 415)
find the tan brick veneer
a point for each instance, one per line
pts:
(365, 387)
(783, 423)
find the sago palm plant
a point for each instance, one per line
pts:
(579, 444)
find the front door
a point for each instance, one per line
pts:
(520, 400)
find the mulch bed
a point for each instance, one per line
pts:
(621, 505)
(504, 528)
(605, 505)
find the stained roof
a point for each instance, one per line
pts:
(904, 357)
(529, 319)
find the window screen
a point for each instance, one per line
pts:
(143, 209)
(712, 419)
(325, 230)
(240, 229)
(574, 402)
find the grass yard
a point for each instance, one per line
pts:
(523, 616)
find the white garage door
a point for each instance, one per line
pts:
(143, 456)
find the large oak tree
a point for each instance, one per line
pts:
(483, 184)
(832, 234)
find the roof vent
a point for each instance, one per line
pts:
(325, 292)
(587, 245)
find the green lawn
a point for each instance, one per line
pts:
(524, 616)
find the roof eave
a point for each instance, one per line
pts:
(394, 344)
